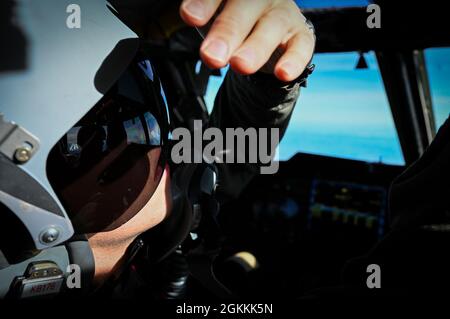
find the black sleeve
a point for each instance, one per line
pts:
(413, 256)
(257, 101)
(420, 196)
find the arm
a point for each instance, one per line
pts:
(267, 44)
(258, 101)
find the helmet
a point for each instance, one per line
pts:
(84, 127)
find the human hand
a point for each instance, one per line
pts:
(253, 35)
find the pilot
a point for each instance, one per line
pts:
(84, 133)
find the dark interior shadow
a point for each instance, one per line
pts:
(13, 43)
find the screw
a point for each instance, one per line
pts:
(22, 155)
(49, 235)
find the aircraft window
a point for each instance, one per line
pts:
(343, 113)
(438, 65)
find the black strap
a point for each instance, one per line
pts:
(80, 253)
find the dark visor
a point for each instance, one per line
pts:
(107, 167)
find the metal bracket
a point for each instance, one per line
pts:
(16, 143)
(46, 228)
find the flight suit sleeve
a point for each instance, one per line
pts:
(256, 101)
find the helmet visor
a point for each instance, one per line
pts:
(108, 165)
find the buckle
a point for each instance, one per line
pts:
(41, 279)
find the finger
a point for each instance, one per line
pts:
(197, 13)
(298, 54)
(259, 47)
(230, 29)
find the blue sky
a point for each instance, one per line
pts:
(331, 3)
(438, 64)
(345, 112)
